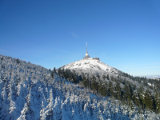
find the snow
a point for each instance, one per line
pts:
(28, 92)
(92, 65)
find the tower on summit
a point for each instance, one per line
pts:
(86, 55)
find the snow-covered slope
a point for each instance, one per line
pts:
(28, 92)
(91, 65)
(94, 67)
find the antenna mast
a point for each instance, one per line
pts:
(86, 48)
(86, 55)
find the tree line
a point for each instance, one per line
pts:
(118, 88)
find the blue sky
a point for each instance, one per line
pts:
(122, 33)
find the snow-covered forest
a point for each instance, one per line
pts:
(109, 81)
(31, 92)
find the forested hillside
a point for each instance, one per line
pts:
(31, 92)
(108, 81)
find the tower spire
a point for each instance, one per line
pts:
(86, 48)
(86, 55)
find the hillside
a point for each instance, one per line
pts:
(109, 81)
(28, 91)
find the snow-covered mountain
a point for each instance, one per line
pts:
(29, 92)
(109, 81)
(92, 66)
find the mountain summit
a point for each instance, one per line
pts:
(92, 66)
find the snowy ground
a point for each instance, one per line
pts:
(28, 92)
